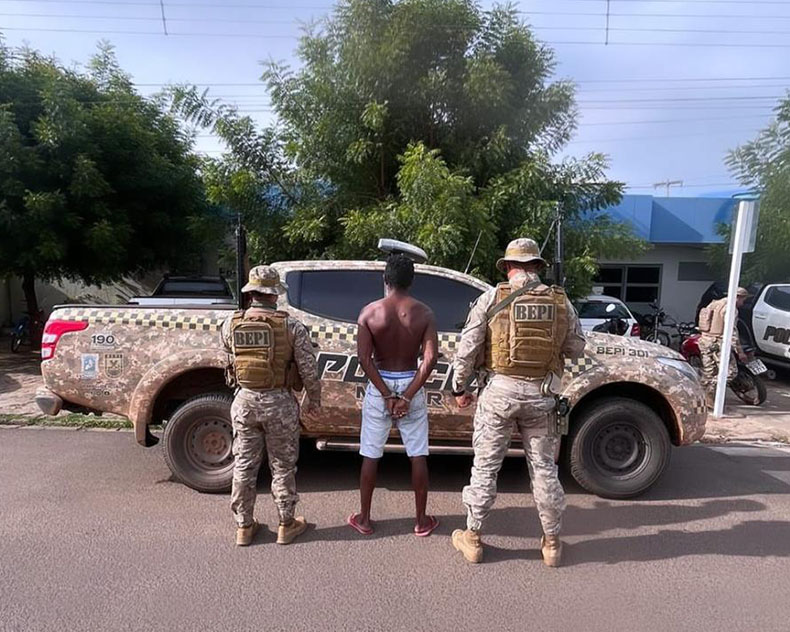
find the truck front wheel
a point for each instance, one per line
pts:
(198, 443)
(617, 448)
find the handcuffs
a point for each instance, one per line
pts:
(398, 396)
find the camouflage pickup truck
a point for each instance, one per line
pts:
(631, 400)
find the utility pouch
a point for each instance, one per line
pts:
(230, 374)
(562, 410)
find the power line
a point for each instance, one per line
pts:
(683, 79)
(282, 36)
(164, 20)
(768, 97)
(663, 136)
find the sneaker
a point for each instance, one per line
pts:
(468, 542)
(244, 535)
(287, 533)
(551, 548)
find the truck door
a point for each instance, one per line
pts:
(450, 300)
(771, 321)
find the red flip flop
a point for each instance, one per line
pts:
(423, 533)
(352, 522)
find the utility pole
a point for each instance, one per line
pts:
(241, 256)
(667, 184)
(559, 277)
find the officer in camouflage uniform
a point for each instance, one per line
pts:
(271, 355)
(520, 334)
(711, 325)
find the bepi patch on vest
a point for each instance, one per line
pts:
(252, 338)
(531, 312)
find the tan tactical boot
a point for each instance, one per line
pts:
(551, 548)
(244, 535)
(468, 542)
(287, 533)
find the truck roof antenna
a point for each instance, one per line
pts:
(474, 250)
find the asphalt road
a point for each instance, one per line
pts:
(94, 535)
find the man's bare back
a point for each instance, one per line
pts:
(397, 326)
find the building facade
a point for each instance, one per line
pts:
(675, 271)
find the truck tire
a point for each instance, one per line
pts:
(198, 441)
(617, 448)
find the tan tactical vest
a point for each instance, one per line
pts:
(262, 349)
(711, 318)
(525, 339)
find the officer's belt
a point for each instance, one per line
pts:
(505, 302)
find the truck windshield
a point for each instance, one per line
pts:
(175, 287)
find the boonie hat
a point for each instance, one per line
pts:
(266, 280)
(523, 250)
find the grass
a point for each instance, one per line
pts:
(72, 420)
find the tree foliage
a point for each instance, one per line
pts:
(764, 165)
(95, 181)
(426, 120)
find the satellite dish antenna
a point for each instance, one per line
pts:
(395, 247)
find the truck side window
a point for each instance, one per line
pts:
(336, 294)
(449, 299)
(778, 297)
(341, 294)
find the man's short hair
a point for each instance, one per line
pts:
(399, 273)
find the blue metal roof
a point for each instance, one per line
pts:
(674, 220)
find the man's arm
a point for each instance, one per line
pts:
(574, 344)
(365, 353)
(304, 355)
(473, 339)
(224, 335)
(430, 354)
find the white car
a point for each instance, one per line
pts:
(596, 309)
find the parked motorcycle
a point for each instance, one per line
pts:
(23, 332)
(747, 385)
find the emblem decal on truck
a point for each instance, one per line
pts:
(113, 364)
(90, 366)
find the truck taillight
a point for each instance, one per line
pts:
(636, 330)
(53, 332)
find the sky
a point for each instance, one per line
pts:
(677, 85)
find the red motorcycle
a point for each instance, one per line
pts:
(747, 385)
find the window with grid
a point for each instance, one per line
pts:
(631, 283)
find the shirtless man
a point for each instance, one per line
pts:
(391, 333)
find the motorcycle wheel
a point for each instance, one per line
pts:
(749, 387)
(16, 342)
(659, 337)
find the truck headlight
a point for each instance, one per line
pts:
(681, 365)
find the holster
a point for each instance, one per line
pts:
(230, 374)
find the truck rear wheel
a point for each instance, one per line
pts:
(198, 443)
(618, 448)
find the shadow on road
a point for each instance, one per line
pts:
(697, 472)
(25, 362)
(9, 384)
(757, 538)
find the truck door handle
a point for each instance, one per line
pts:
(760, 316)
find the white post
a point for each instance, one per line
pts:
(745, 209)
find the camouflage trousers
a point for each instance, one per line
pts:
(507, 402)
(710, 354)
(267, 419)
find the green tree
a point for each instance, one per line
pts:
(427, 120)
(764, 165)
(95, 181)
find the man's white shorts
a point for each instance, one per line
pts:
(377, 422)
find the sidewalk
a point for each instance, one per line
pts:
(20, 376)
(769, 422)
